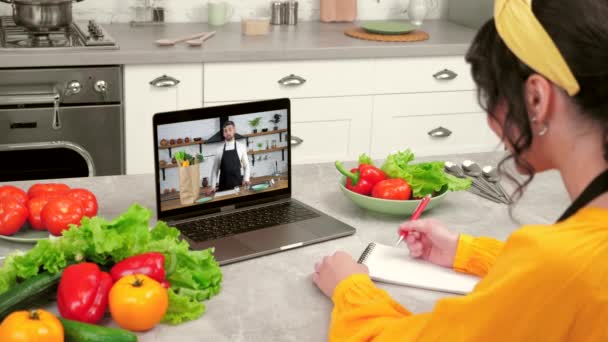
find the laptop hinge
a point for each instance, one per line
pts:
(227, 208)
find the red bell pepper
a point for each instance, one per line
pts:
(392, 189)
(362, 179)
(83, 293)
(151, 264)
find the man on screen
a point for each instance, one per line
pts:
(231, 162)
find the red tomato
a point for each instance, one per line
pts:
(38, 189)
(13, 192)
(12, 216)
(59, 213)
(87, 198)
(35, 206)
(392, 189)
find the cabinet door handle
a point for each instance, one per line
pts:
(295, 141)
(164, 81)
(440, 132)
(292, 81)
(445, 75)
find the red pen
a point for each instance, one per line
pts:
(416, 215)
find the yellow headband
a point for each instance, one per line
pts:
(527, 39)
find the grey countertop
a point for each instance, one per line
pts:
(307, 40)
(272, 298)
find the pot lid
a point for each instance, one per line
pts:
(40, 2)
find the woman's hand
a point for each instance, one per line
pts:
(333, 269)
(430, 240)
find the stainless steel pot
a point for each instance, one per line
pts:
(42, 15)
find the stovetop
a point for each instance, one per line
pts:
(79, 35)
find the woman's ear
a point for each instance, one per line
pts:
(540, 95)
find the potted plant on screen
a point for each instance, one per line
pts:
(275, 120)
(254, 124)
(260, 146)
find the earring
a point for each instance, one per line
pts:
(544, 130)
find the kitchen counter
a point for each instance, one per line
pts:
(273, 298)
(306, 41)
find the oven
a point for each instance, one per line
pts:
(61, 123)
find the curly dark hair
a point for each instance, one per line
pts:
(501, 77)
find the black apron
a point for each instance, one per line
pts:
(230, 169)
(598, 187)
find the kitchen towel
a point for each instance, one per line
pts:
(189, 187)
(394, 265)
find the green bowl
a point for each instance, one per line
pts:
(389, 207)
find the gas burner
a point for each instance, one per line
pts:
(79, 35)
(41, 40)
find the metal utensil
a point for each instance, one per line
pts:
(171, 42)
(473, 170)
(201, 40)
(42, 15)
(457, 171)
(491, 174)
(416, 215)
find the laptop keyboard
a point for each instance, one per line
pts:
(221, 226)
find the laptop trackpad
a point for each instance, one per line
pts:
(226, 249)
(276, 237)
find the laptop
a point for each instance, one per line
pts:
(223, 178)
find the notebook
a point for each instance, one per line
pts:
(394, 265)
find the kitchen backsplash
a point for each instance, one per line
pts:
(106, 11)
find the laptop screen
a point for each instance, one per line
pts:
(203, 163)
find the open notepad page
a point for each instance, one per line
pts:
(394, 265)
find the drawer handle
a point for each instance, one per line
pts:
(295, 141)
(164, 81)
(292, 81)
(440, 132)
(445, 75)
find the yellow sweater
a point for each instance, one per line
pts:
(546, 283)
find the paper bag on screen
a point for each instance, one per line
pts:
(189, 184)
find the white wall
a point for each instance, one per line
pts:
(207, 128)
(195, 10)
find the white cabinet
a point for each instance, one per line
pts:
(330, 129)
(302, 79)
(424, 74)
(343, 108)
(151, 89)
(408, 120)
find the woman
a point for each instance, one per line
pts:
(542, 73)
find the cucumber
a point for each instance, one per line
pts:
(28, 293)
(82, 332)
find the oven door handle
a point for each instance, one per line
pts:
(51, 145)
(23, 99)
(40, 98)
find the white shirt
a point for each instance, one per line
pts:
(241, 151)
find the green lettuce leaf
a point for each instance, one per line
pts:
(423, 178)
(194, 277)
(365, 159)
(182, 308)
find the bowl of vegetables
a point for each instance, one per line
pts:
(399, 185)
